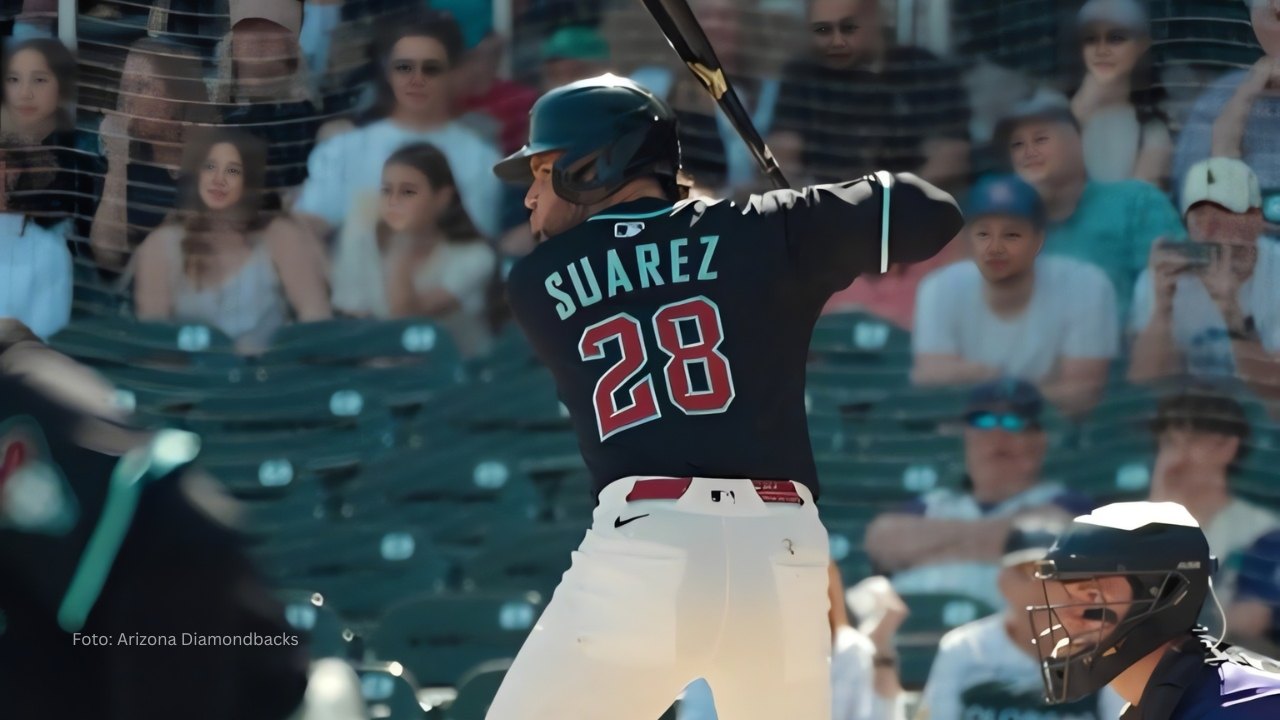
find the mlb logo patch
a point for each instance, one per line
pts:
(627, 229)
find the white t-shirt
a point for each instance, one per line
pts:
(464, 270)
(1199, 330)
(35, 274)
(344, 167)
(1072, 314)
(979, 673)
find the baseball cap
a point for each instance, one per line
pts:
(1006, 195)
(1202, 408)
(1125, 13)
(285, 13)
(1029, 540)
(575, 43)
(1010, 395)
(1228, 182)
(1053, 108)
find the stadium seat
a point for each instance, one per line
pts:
(529, 561)
(476, 690)
(440, 637)
(309, 614)
(860, 338)
(390, 691)
(855, 480)
(120, 340)
(1118, 471)
(356, 342)
(932, 615)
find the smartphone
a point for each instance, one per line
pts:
(1196, 255)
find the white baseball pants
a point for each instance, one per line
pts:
(717, 584)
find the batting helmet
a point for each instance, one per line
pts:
(611, 131)
(1160, 549)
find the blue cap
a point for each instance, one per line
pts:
(1006, 395)
(1006, 195)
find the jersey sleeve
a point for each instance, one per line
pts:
(835, 232)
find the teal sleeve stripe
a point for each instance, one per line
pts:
(168, 450)
(638, 216)
(886, 182)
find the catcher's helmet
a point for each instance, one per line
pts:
(611, 130)
(1160, 549)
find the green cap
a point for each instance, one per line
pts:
(575, 43)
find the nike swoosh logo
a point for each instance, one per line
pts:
(619, 522)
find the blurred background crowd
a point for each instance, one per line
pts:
(275, 223)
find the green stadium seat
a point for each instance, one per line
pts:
(860, 338)
(1118, 471)
(440, 637)
(856, 480)
(476, 690)
(355, 342)
(525, 561)
(120, 340)
(325, 630)
(390, 692)
(525, 401)
(932, 616)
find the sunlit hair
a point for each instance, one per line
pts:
(61, 63)
(455, 224)
(196, 218)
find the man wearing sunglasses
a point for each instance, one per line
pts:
(1211, 307)
(952, 540)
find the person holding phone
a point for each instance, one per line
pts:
(1212, 306)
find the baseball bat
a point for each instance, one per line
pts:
(687, 38)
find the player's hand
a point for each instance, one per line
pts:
(1223, 285)
(1165, 265)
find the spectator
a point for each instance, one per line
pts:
(223, 261)
(34, 261)
(858, 105)
(1211, 307)
(1125, 130)
(1007, 313)
(951, 540)
(263, 87)
(989, 667)
(1253, 618)
(712, 151)
(480, 90)
(162, 95)
(1111, 225)
(39, 88)
(864, 677)
(421, 257)
(575, 53)
(416, 57)
(1239, 115)
(1200, 436)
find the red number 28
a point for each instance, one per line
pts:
(689, 333)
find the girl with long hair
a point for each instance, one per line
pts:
(1118, 102)
(221, 260)
(421, 255)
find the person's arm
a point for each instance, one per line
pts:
(152, 289)
(322, 202)
(1155, 353)
(467, 275)
(835, 232)
(1230, 126)
(1256, 366)
(301, 271)
(109, 232)
(899, 541)
(1091, 341)
(930, 369)
(1155, 159)
(1077, 384)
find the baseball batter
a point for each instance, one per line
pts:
(677, 331)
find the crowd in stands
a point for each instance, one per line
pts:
(287, 162)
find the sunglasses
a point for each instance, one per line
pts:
(1008, 422)
(429, 68)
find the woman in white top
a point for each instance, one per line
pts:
(1118, 102)
(417, 58)
(35, 264)
(224, 262)
(421, 256)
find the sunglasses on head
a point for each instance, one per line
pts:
(429, 68)
(1008, 422)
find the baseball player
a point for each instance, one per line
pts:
(1123, 588)
(677, 331)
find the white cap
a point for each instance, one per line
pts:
(1125, 13)
(1224, 181)
(285, 13)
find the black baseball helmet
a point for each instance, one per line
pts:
(1160, 549)
(611, 131)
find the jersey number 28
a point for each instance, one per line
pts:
(689, 332)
